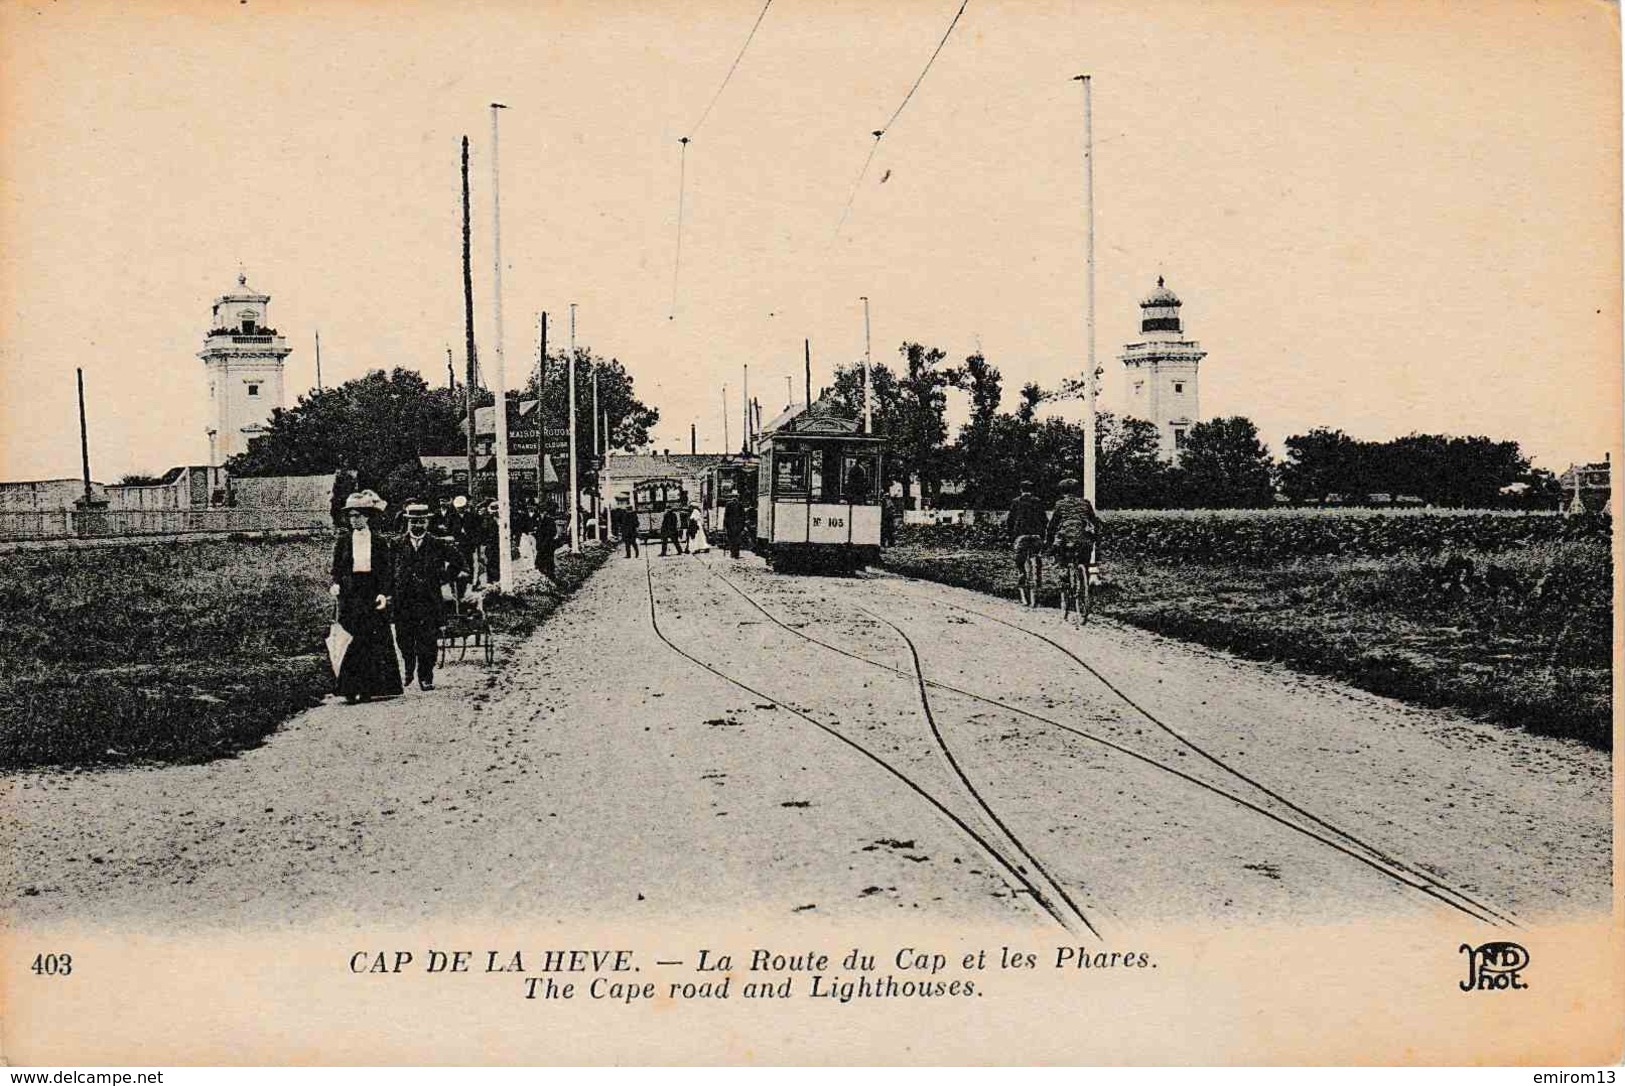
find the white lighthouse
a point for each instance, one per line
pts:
(1162, 371)
(243, 357)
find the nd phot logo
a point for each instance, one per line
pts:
(1494, 967)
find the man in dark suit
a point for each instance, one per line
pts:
(668, 532)
(422, 564)
(733, 524)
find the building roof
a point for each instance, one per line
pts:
(644, 466)
(242, 293)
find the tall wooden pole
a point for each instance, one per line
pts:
(1089, 307)
(744, 398)
(504, 514)
(725, 441)
(319, 360)
(806, 346)
(868, 380)
(597, 511)
(84, 437)
(468, 322)
(575, 489)
(693, 439)
(541, 418)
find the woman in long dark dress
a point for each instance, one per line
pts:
(363, 582)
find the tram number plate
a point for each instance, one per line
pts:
(831, 522)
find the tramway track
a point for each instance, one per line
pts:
(1068, 919)
(1338, 840)
(1195, 748)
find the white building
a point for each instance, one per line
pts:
(243, 357)
(1162, 371)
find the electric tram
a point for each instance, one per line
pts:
(650, 500)
(819, 491)
(734, 476)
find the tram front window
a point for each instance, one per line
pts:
(860, 479)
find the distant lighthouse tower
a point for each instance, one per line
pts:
(1162, 371)
(243, 358)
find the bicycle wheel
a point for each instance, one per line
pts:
(1067, 591)
(1083, 594)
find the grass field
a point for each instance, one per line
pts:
(1518, 634)
(175, 653)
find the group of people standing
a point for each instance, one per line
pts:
(681, 529)
(389, 584)
(388, 590)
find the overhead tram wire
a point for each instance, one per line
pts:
(898, 112)
(682, 168)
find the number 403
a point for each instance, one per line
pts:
(52, 965)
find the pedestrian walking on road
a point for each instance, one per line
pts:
(669, 532)
(363, 582)
(626, 525)
(422, 565)
(733, 524)
(547, 542)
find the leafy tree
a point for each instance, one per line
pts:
(1223, 466)
(986, 475)
(923, 425)
(372, 426)
(1129, 472)
(138, 478)
(1321, 463)
(847, 393)
(630, 419)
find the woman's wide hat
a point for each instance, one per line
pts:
(365, 500)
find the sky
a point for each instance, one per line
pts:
(1383, 217)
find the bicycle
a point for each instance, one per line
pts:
(1030, 555)
(1074, 578)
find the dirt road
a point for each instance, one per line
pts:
(673, 743)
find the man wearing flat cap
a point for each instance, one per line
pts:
(422, 564)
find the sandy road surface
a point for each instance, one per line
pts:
(601, 774)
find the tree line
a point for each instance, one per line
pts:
(378, 425)
(1223, 463)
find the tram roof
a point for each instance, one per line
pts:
(822, 420)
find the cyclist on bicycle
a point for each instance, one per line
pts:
(1025, 530)
(1074, 527)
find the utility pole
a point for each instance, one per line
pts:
(744, 397)
(868, 381)
(504, 514)
(806, 346)
(1089, 307)
(575, 490)
(451, 371)
(84, 438)
(693, 439)
(597, 513)
(468, 322)
(541, 418)
(319, 359)
(725, 441)
(789, 392)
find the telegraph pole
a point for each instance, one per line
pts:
(84, 437)
(1089, 307)
(541, 418)
(868, 381)
(319, 359)
(575, 491)
(468, 322)
(724, 419)
(504, 514)
(597, 513)
(744, 398)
